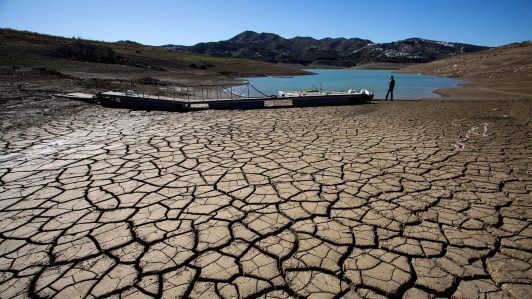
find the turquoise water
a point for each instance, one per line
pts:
(407, 86)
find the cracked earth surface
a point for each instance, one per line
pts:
(414, 200)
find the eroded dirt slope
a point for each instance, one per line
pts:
(504, 72)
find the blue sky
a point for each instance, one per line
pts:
(488, 22)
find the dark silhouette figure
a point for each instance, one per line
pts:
(390, 88)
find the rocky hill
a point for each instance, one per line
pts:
(343, 52)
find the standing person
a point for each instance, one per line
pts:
(390, 88)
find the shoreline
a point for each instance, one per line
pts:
(497, 73)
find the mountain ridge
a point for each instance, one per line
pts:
(340, 51)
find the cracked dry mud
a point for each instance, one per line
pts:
(413, 200)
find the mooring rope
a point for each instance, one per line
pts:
(259, 91)
(244, 89)
(231, 92)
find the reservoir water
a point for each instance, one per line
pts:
(407, 86)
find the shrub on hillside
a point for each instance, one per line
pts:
(87, 52)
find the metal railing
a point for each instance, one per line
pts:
(193, 93)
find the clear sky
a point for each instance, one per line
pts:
(186, 22)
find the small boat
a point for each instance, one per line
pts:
(351, 93)
(301, 98)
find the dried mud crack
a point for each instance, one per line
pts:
(411, 199)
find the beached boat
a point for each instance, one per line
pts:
(302, 98)
(362, 94)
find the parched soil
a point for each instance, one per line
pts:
(412, 199)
